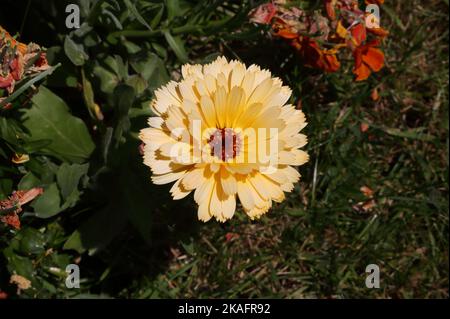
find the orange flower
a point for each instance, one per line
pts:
(379, 32)
(21, 47)
(314, 57)
(286, 33)
(329, 6)
(330, 63)
(359, 34)
(368, 59)
(309, 50)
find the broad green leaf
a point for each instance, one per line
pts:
(75, 52)
(33, 147)
(83, 30)
(175, 8)
(32, 241)
(9, 130)
(18, 264)
(151, 68)
(137, 82)
(49, 119)
(132, 48)
(5, 187)
(47, 204)
(108, 80)
(28, 181)
(144, 63)
(68, 177)
(117, 65)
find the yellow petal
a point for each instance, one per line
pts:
(260, 92)
(236, 98)
(245, 195)
(228, 181)
(203, 192)
(208, 110)
(220, 101)
(194, 178)
(203, 211)
(178, 191)
(166, 178)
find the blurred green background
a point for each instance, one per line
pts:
(100, 210)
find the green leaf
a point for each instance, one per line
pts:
(157, 17)
(33, 147)
(131, 47)
(47, 204)
(136, 14)
(117, 65)
(9, 130)
(28, 181)
(31, 241)
(68, 177)
(75, 52)
(66, 74)
(177, 46)
(5, 187)
(151, 68)
(138, 83)
(124, 97)
(416, 133)
(88, 237)
(108, 80)
(17, 264)
(88, 94)
(173, 8)
(49, 119)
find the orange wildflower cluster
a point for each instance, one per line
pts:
(320, 35)
(9, 208)
(18, 60)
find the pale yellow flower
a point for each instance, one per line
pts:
(225, 132)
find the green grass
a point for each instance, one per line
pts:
(318, 242)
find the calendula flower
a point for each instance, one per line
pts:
(6, 37)
(225, 133)
(368, 59)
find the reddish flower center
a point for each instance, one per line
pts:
(225, 144)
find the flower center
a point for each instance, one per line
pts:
(225, 143)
